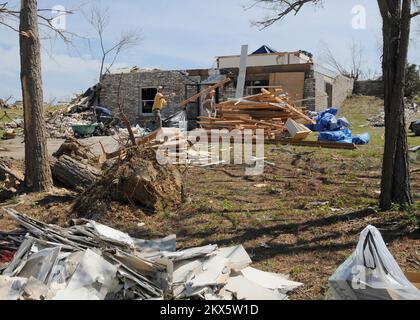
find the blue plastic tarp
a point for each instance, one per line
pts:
(264, 49)
(362, 139)
(332, 111)
(326, 121)
(344, 123)
(338, 130)
(344, 136)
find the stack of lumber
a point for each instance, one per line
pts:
(268, 111)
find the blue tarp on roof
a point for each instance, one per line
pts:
(264, 49)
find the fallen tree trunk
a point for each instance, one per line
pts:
(15, 175)
(74, 174)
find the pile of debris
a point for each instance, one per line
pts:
(11, 174)
(79, 112)
(59, 123)
(14, 127)
(90, 261)
(412, 113)
(268, 111)
(3, 104)
(86, 100)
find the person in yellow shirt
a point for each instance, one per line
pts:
(158, 105)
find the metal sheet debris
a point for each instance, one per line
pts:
(91, 261)
(92, 279)
(270, 280)
(245, 289)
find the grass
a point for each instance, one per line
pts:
(358, 109)
(11, 202)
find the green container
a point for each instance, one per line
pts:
(84, 130)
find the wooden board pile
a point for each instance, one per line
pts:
(268, 111)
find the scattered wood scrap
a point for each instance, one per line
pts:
(296, 130)
(15, 175)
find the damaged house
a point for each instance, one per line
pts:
(308, 84)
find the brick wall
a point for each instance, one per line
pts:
(174, 83)
(309, 90)
(369, 88)
(340, 88)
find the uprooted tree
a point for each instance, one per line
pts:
(396, 18)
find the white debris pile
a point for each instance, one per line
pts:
(14, 124)
(138, 132)
(90, 261)
(59, 124)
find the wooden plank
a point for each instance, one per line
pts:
(414, 278)
(292, 82)
(266, 124)
(204, 92)
(301, 114)
(328, 145)
(10, 172)
(221, 122)
(152, 136)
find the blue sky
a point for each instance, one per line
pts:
(184, 34)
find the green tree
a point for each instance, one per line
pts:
(412, 82)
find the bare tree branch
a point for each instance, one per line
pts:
(12, 19)
(99, 19)
(282, 9)
(351, 70)
(416, 5)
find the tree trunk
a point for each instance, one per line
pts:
(74, 174)
(37, 169)
(395, 187)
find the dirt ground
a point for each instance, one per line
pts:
(15, 148)
(302, 217)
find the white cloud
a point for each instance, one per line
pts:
(62, 74)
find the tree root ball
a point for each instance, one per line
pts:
(138, 179)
